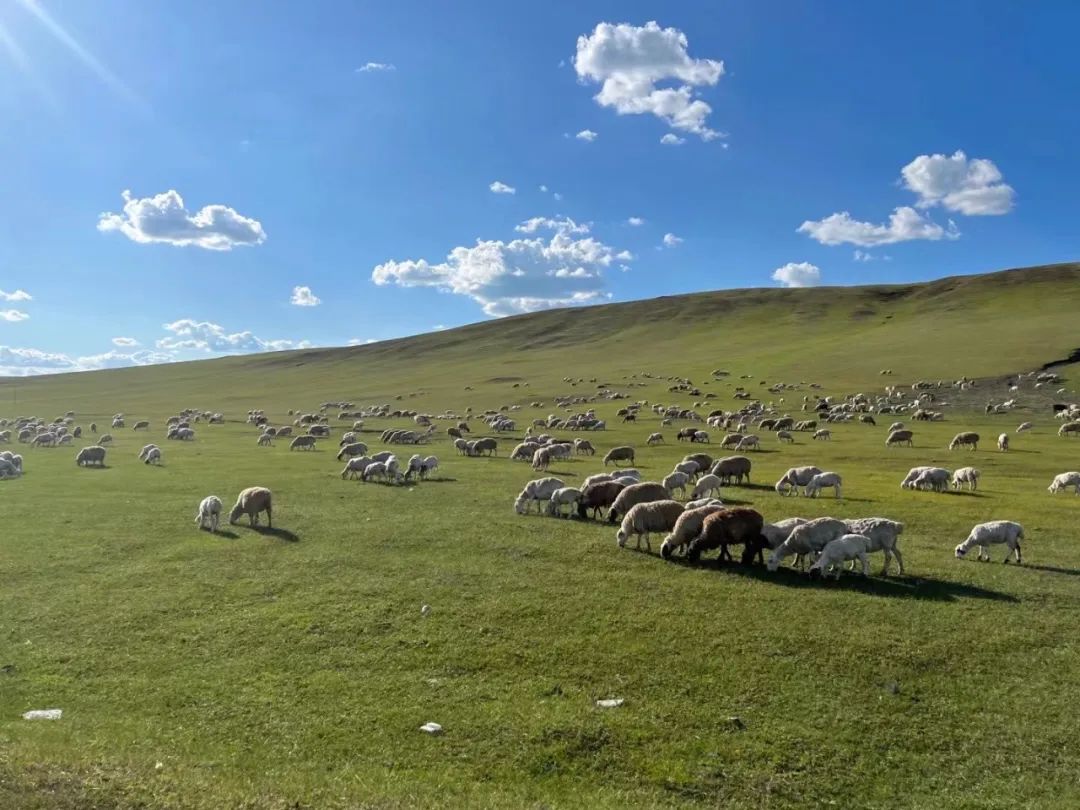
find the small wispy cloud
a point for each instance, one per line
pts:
(672, 140)
(499, 187)
(635, 222)
(671, 240)
(587, 135)
(124, 341)
(13, 315)
(376, 67)
(18, 295)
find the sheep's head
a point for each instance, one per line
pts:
(521, 504)
(234, 515)
(960, 551)
(620, 538)
(774, 561)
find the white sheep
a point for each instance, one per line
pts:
(794, 478)
(145, 451)
(655, 438)
(936, 479)
(209, 513)
(807, 538)
(750, 442)
(884, 535)
(992, 533)
(376, 469)
(777, 533)
(598, 478)
(688, 526)
(823, 481)
(1064, 481)
(539, 489)
(251, 502)
(913, 474)
(1024, 426)
(700, 502)
(706, 485)
(644, 518)
(676, 481)
(1003, 442)
(355, 466)
(838, 551)
(153, 456)
(566, 496)
(822, 435)
(966, 478)
(265, 440)
(691, 468)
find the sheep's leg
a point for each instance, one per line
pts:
(865, 565)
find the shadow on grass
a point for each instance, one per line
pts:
(227, 534)
(1053, 569)
(280, 534)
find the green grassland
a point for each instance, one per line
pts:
(292, 668)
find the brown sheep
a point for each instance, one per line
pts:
(730, 527)
(597, 497)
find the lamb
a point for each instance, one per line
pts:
(934, 478)
(1064, 481)
(706, 485)
(777, 533)
(539, 489)
(732, 467)
(655, 438)
(633, 495)
(617, 454)
(209, 513)
(644, 518)
(153, 456)
(1003, 442)
(731, 440)
(965, 439)
(794, 478)
(522, 452)
(690, 468)
(992, 533)
(597, 496)
(355, 466)
(729, 527)
(567, 496)
(94, 454)
(676, 481)
(352, 449)
(823, 481)
(251, 502)
(838, 551)
(265, 440)
(807, 538)
(899, 437)
(883, 535)
(302, 443)
(822, 435)
(966, 477)
(687, 527)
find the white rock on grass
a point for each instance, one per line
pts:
(43, 714)
(431, 728)
(610, 703)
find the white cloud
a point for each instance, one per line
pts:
(672, 140)
(13, 315)
(557, 196)
(635, 221)
(973, 187)
(904, 225)
(163, 219)
(798, 274)
(361, 341)
(522, 275)
(375, 67)
(18, 295)
(438, 327)
(304, 297)
(629, 61)
(563, 225)
(501, 188)
(203, 336)
(125, 341)
(671, 240)
(586, 135)
(544, 189)
(17, 362)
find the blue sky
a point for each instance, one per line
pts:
(258, 155)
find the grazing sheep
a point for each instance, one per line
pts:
(635, 494)
(1069, 429)
(8, 470)
(883, 534)
(776, 533)
(731, 440)
(355, 466)
(251, 502)
(689, 468)
(823, 481)
(617, 454)
(706, 485)
(352, 449)
(687, 527)
(936, 479)
(732, 467)
(153, 456)
(965, 439)
(676, 481)
(1003, 442)
(284, 431)
(117, 423)
(209, 513)
(1024, 426)
(822, 435)
(93, 427)
(567, 496)
(837, 552)
(597, 496)
(105, 438)
(730, 527)
(807, 539)
(541, 459)
(489, 445)
(785, 436)
(95, 454)
(265, 440)
(899, 437)
(584, 447)
(992, 533)
(655, 438)
(913, 474)
(895, 426)
(302, 443)
(794, 478)
(644, 518)
(750, 442)
(539, 489)
(376, 469)
(966, 477)
(1064, 481)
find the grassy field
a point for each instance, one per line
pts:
(292, 668)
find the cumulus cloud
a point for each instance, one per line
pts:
(672, 140)
(18, 362)
(164, 219)
(972, 187)
(13, 315)
(522, 275)
(629, 62)
(203, 336)
(18, 295)
(586, 135)
(798, 274)
(375, 67)
(635, 221)
(499, 187)
(671, 240)
(125, 341)
(304, 297)
(904, 225)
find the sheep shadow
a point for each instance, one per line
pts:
(280, 534)
(963, 492)
(748, 485)
(440, 480)
(1053, 569)
(226, 533)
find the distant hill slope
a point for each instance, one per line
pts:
(982, 325)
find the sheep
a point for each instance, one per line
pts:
(539, 489)
(153, 456)
(966, 477)
(794, 478)
(14, 459)
(617, 454)
(883, 534)
(822, 435)
(687, 527)
(644, 518)
(265, 440)
(352, 449)
(1064, 481)
(750, 442)
(729, 527)
(184, 434)
(1069, 429)
(838, 551)
(93, 427)
(117, 423)
(209, 513)
(706, 485)
(933, 478)
(992, 533)
(105, 438)
(731, 440)
(777, 533)
(895, 426)
(355, 466)
(784, 436)
(965, 439)
(822, 481)
(689, 468)
(141, 425)
(376, 469)
(7, 469)
(633, 495)
(1003, 442)
(913, 474)
(807, 538)
(303, 443)
(568, 496)
(703, 461)
(94, 454)
(542, 459)
(284, 431)
(676, 481)
(1024, 426)
(597, 496)
(899, 437)
(655, 438)
(700, 502)
(732, 467)
(251, 502)
(584, 447)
